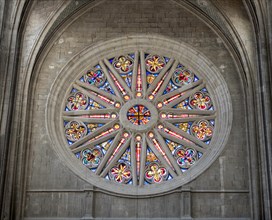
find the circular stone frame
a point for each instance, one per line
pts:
(185, 54)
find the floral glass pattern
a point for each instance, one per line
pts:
(120, 173)
(201, 101)
(95, 77)
(202, 130)
(185, 157)
(154, 63)
(75, 130)
(155, 173)
(77, 101)
(123, 64)
(182, 77)
(168, 123)
(91, 158)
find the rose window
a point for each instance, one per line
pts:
(139, 119)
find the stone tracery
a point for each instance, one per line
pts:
(137, 125)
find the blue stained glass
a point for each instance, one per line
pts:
(196, 78)
(127, 77)
(126, 156)
(104, 146)
(77, 155)
(172, 87)
(73, 90)
(199, 154)
(111, 60)
(107, 177)
(107, 88)
(180, 65)
(166, 59)
(138, 115)
(169, 177)
(173, 145)
(132, 55)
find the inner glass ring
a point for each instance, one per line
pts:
(139, 115)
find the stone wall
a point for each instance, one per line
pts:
(55, 191)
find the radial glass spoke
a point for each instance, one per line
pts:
(95, 97)
(105, 96)
(165, 133)
(109, 78)
(180, 91)
(159, 152)
(120, 149)
(136, 86)
(91, 112)
(143, 73)
(158, 85)
(171, 101)
(142, 160)
(184, 118)
(190, 112)
(165, 79)
(135, 147)
(100, 132)
(119, 82)
(109, 151)
(88, 119)
(184, 135)
(167, 152)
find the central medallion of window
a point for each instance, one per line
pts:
(139, 115)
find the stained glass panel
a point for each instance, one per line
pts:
(168, 122)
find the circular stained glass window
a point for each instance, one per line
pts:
(136, 121)
(139, 119)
